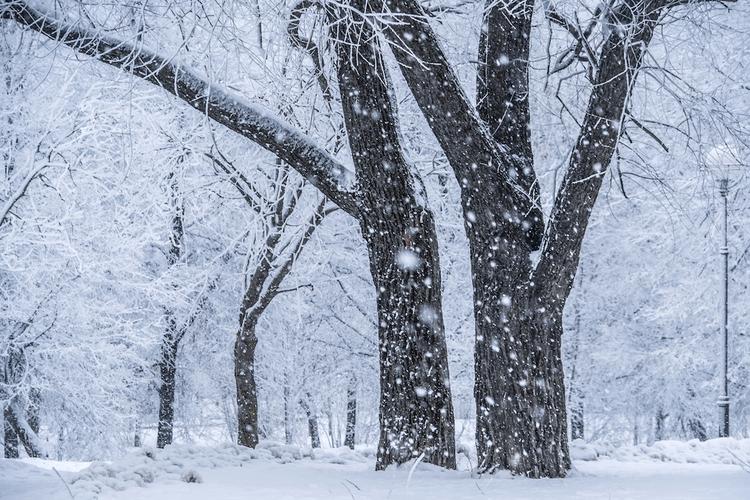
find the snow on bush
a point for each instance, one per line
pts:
(714, 451)
(144, 466)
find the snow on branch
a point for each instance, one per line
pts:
(289, 144)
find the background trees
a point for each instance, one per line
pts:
(90, 239)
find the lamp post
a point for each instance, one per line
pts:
(724, 251)
(724, 160)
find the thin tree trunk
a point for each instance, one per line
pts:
(660, 424)
(577, 427)
(137, 441)
(697, 429)
(333, 436)
(171, 338)
(10, 436)
(288, 412)
(636, 430)
(312, 423)
(351, 413)
(168, 372)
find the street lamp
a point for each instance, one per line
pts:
(724, 162)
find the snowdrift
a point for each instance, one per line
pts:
(714, 451)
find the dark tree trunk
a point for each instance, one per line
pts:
(312, 423)
(697, 429)
(35, 405)
(518, 310)
(518, 343)
(351, 414)
(137, 434)
(660, 425)
(173, 335)
(11, 438)
(576, 417)
(244, 377)
(416, 412)
(168, 372)
(16, 418)
(519, 389)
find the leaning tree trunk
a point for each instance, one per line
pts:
(416, 412)
(16, 418)
(312, 423)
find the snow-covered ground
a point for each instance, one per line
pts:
(717, 469)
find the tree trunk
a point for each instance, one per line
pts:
(35, 404)
(697, 429)
(416, 412)
(576, 417)
(171, 338)
(351, 414)
(520, 394)
(137, 442)
(244, 377)
(660, 422)
(16, 418)
(11, 438)
(168, 371)
(288, 412)
(312, 423)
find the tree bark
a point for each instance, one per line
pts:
(351, 414)
(416, 412)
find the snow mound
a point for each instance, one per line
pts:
(714, 451)
(144, 466)
(581, 450)
(342, 455)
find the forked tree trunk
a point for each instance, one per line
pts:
(416, 412)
